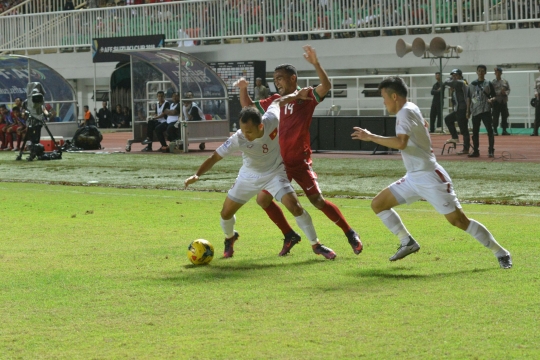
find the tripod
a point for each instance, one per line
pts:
(34, 135)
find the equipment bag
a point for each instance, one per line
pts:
(88, 138)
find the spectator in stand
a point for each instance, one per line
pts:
(104, 116)
(68, 5)
(91, 4)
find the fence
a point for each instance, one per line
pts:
(217, 21)
(350, 95)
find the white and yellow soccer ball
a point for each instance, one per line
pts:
(200, 252)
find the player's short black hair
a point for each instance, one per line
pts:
(481, 67)
(250, 113)
(3, 106)
(161, 92)
(288, 68)
(86, 106)
(15, 108)
(438, 72)
(394, 84)
(176, 92)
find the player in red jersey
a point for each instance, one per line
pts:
(294, 140)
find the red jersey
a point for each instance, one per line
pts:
(295, 120)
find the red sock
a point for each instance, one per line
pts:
(275, 214)
(332, 212)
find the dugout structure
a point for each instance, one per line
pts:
(15, 74)
(172, 70)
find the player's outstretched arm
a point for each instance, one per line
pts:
(205, 166)
(245, 99)
(311, 56)
(394, 142)
(302, 94)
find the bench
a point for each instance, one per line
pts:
(194, 131)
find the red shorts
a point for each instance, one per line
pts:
(304, 176)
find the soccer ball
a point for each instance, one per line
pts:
(200, 252)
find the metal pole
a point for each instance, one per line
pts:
(183, 124)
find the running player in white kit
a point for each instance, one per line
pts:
(425, 178)
(262, 169)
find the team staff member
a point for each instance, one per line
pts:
(167, 126)
(157, 119)
(459, 97)
(537, 108)
(500, 102)
(479, 106)
(294, 141)
(425, 178)
(262, 169)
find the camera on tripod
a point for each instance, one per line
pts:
(34, 109)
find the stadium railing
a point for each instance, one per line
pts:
(352, 94)
(215, 21)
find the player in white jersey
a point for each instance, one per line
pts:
(425, 178)
(262, 169)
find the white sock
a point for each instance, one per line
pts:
(306, 224)
(393, 222)
(484, 237)
(228, 226)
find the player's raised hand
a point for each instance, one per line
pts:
(310, 55)
(190, 180)
(361, 134)
(241, 83)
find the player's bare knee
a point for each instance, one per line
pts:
(317, 201)
(264, 200)
(376, 205)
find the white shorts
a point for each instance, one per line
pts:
(434, 186)
(245, 188)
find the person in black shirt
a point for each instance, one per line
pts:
(104, 116)
(435, 114)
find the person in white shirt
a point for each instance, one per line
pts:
(156, 120)
(425, 178)
(262, 169)
(167, 127)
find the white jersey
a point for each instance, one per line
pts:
(159, 110)
(260, 156)
(173, 118)
(418, 155)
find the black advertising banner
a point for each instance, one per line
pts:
(103, 49)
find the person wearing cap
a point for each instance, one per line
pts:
(500, 102)
(459, 94)
(435, 113)
(260, 92)
(537, 108)
(479, 106)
